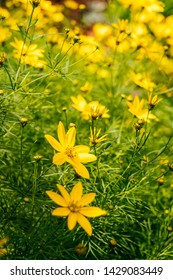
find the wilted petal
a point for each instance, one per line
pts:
(61, 212)
(76, 192)
(86, 199)
(61, 134)
(92, 212)
(71, 135)
(84, 157)
(54, 143)
(58, 199)
(59, 158)
(81, 149)
(72, 220)
(84, 223)
(64, 193)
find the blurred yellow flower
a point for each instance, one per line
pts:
(102, 31)
(143, 80)
(3, 241)
(5, 34)
(94, 110)
(67, 152)
(122, 26)
(4, 13)
(28, 54)
(71, 4)
(2, 58)
(74, 207)
(153, 100)
(150, 6)
(136, 108)
(86, 87)
(79, 103)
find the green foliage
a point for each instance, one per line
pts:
(132, 177)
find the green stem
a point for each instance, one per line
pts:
(34, 185)
(24, 42)
(26, 34)
(11, 82)
(66, 121)
(95, 151)
(93, 133)
(61, 59)
(21, 152)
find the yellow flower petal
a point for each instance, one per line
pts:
(76, 192)
(64, 193)
(86, 199)
(72, 220)
(71, 134)
(3, 252)
(59, 158)
(58, 199)
(61, 134)
(61, 212)
(79, 103)
(3, 241)
(84, 157)
(92, 212)
(81, 149)
(54, 143)
(81, 170)
(84, 223)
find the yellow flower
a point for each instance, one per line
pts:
(79, 103)
(86, 87)
(5, 34)
(94, 136)
(73, 5)
(102, 31)
(94, 110)
(3, 241)
(2, 59)
(153, 100)
(72, 205)
(136, 108)
(67, 152)
(122, 25)
(142, 80)
(148, 5)
(29, 54)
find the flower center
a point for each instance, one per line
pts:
(96, 112)
(70, 152)
(73, 207)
